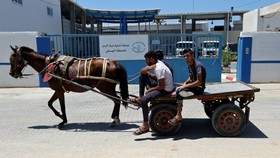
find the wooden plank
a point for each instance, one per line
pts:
(220, 91)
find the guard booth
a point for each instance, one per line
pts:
(129, 50)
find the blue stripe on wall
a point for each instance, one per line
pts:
(4, 63)
(266, 62)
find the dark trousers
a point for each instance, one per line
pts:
(149, 97)
(146, 82)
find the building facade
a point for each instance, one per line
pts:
(263, 19)
(30, 15)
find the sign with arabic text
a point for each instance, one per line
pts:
(123, 47)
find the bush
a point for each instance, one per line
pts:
(227, 57)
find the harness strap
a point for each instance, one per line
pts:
(104, 68)
(89, 67)
(87, 71)
(78, 73)
(85, 68)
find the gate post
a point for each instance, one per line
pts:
(43, 47)
(244, 58)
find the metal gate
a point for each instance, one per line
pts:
(207, 48)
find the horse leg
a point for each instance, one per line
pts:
(115, 114)
(110, 91)
(63, 111)
(50, 104)
(60, 96)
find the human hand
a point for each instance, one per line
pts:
(180, 87)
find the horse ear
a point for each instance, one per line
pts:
(14, 49)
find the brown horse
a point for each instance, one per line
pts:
(100, 73)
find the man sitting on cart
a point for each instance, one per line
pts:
(164, 86)
(148, 79)
(194, 85)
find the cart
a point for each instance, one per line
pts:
(226, 104)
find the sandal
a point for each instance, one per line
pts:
(139, 131)
(174, 121)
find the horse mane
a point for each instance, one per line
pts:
(26, 49)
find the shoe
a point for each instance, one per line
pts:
(174, 121)
(186, 93)
(139, 131)
(115, 123)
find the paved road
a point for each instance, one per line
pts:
(28, 129)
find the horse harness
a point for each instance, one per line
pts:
(63, 63)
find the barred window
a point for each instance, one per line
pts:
(49, 11)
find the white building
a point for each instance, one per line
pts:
(261, 49)
(30, 15)
(262, 19)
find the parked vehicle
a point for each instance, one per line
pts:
(210, 48)
(181, 45)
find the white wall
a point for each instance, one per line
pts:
(262, 19)
(30, 16)
(21, 39)
(265, 56)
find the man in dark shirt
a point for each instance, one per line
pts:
(195, 84)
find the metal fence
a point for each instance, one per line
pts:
(87, 45)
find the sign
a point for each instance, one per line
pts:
(123, 47)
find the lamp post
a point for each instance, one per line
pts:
(229, 20)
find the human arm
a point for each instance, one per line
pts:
(159, 87)
(152, 75)
(145, 70)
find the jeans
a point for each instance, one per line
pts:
(149, 97)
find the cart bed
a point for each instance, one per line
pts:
(220, 91)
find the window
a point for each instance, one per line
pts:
(49, 11)
(17, 1)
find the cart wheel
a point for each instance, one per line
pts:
(228, 120)
(210, 106)
(159, 116)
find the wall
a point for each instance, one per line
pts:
(20, 39)
(265, 59)
(30, 16)
(262, 19)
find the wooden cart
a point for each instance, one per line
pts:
(226, 104)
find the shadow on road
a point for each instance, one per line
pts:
(202, 128)
(89, 127)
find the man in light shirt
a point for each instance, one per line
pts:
(164, 86)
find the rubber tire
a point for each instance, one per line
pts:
(212, 105)
(158, 119)
(229, 120)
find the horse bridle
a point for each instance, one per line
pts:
(18, 64)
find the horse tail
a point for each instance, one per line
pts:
(122, 78)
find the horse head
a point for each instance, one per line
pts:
(17, 62)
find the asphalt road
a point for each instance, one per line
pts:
(28, 129)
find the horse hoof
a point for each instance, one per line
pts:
(115, 123)
(60, 126)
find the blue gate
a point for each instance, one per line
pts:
(207, 48)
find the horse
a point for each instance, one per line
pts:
(100, 73)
